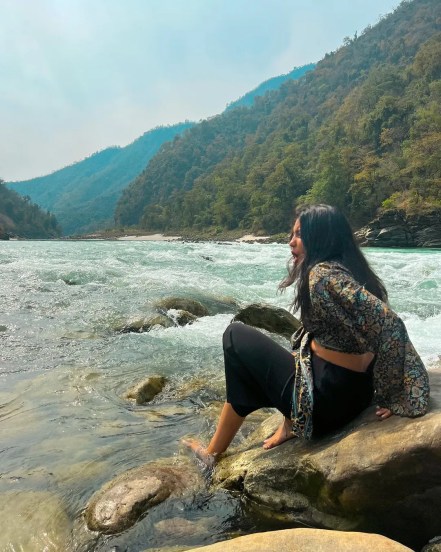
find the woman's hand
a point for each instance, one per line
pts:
(383, 413)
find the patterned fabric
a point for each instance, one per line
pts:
(347, 318)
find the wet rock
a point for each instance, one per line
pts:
(33, 520)
(120, 503)
(183, 303)
(140, 325)
(182, 317)
(371, 476)
(181, 528)
(307, 540)
(144, 391)
(267, 317)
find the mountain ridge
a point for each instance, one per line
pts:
(352, 132)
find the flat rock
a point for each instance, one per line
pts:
(144, 391)
(307, 540)
(270, 318)
(372, 476)
(122, 501)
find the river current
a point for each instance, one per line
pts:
(65, 428)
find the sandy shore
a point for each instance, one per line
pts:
(161, 237)
(252, 237)
(151, 237)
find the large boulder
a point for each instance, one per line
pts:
(307, 540)
(395, 228)
(122, 501)
(372, 476)
(268, 317)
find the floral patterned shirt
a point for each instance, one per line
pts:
(346, 317)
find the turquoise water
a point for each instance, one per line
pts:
(65, 426)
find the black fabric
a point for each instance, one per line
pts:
(260, 373)
(340, 394)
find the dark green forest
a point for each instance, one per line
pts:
(83, 196)
(22, 218)
(361, 131)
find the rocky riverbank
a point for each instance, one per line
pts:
(395, 228)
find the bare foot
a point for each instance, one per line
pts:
(200, 451)
(283, 433)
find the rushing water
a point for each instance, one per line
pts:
(65, 428)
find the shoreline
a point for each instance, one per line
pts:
(160, 237)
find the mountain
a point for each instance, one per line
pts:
(19, 217)
(83, 196)
(247, 100)
(361, 131)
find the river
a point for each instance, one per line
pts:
(65, 428)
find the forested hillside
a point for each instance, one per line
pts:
(362, 131)
(274, 83)
(19, 217)
(83, 196)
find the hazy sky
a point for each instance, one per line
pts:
(77, 76)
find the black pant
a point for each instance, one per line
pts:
(259, 372)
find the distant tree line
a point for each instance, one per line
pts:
(20, 217)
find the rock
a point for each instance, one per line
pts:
(182, 303)
(33, 520)
(372, 476)
(219, 305)
(140, 325)
(120, 503)
(395, 228)
(182, 317)
(307, 540)
(181, 528)
(144, 391)
(267, 317)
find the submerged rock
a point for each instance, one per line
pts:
(140, 325)
(33, 520)
(181, 528)
(372, 476)
(144, 391)
(307, 540)
(122, 501)
(267, 317)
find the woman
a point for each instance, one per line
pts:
(351, 347)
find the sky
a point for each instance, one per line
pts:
(77, 76)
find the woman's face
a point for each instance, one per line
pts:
(296, 244)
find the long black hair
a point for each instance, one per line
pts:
(327, 236)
